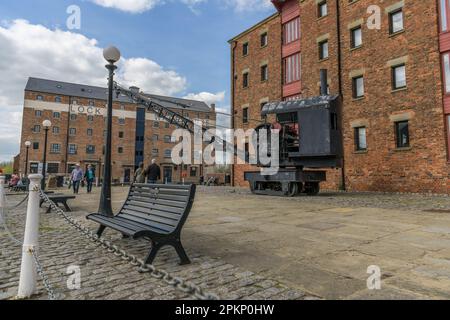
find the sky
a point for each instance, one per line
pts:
(169, 47)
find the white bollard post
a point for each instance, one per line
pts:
(2, 197)
(28, 274)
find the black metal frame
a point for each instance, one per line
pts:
(158, 240)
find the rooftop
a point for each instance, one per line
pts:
(93, 92)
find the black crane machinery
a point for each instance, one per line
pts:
(310, 137)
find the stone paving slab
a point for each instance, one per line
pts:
(107, 277)
(305, 247)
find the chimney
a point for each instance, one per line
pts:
(323, 82)
(213, 107)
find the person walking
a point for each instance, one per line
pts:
(153, 172)
(89, 176)
(76, 176)
(139, 174)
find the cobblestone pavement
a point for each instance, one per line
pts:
(106, 277)
(248, 246)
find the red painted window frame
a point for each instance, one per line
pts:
(298, 65)
(285, 34)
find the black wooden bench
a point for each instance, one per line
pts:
(58, 199)
(156, 212)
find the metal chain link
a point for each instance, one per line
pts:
(176, 282)
(40, 271)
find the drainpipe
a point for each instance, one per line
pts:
(341, 96)
(233, 49)
(67, 137)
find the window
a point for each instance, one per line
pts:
(120, 149)
(58, 99)
(72, 131)
(402, 134)
(193, 172)
(74, 101)
(322, 9)
(166, 125)
(122, 107)
(396, 21)
(34, 167)
(360, 139)
(155, 124)
(139, 138)
(358, 87)
(139, 153)
(53, 168)
(55, 148)
(446, 71)
(245, 49)
(247, 152)
(91, 103)
(90, 132)
(155, 152)
(121, 134)
(37, 128)
(448, 134)
(73, 117)
(356, 37)
(245, 78)
(264, 73)
(90, 149)
(245, 115)
(167, 153)
(399, 77)
(155, 137)
(167, 139)
(90, 118)
(323, 50)
(291, 31)
(55, 130)
(443, 10)
(35, 145)
(56, 115)
(292, 68)
(72, 148)
(38, 113)
(121, 121)
(264, 39)
(39, 97)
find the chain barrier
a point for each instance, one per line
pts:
(176, 282)
(39, 269)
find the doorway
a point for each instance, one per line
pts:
(167, 175)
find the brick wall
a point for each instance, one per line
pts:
(424, 166)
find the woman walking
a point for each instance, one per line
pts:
(139, 174)
(89, 176)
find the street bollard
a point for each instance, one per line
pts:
(28, 274)
(2, 197)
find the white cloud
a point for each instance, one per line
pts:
(207, 97)
(132, 6)
(139, 6)
(249, 5)
(29, 50)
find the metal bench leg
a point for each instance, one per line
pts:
(184, 259)
(153, 251)
(66, 206)
(100, 230)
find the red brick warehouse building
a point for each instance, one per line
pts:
(394, 82)
(78, 112)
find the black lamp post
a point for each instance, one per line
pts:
(27, 145)
(46, 124)
(112, 55)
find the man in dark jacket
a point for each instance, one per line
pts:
(153, 172)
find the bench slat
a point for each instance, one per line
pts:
(145, 223)
(168, 203)
(163, 196)
(175, 210)
(164, 229)
(163, 191)
(110, 222)
(145, 212)
(163, 186)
